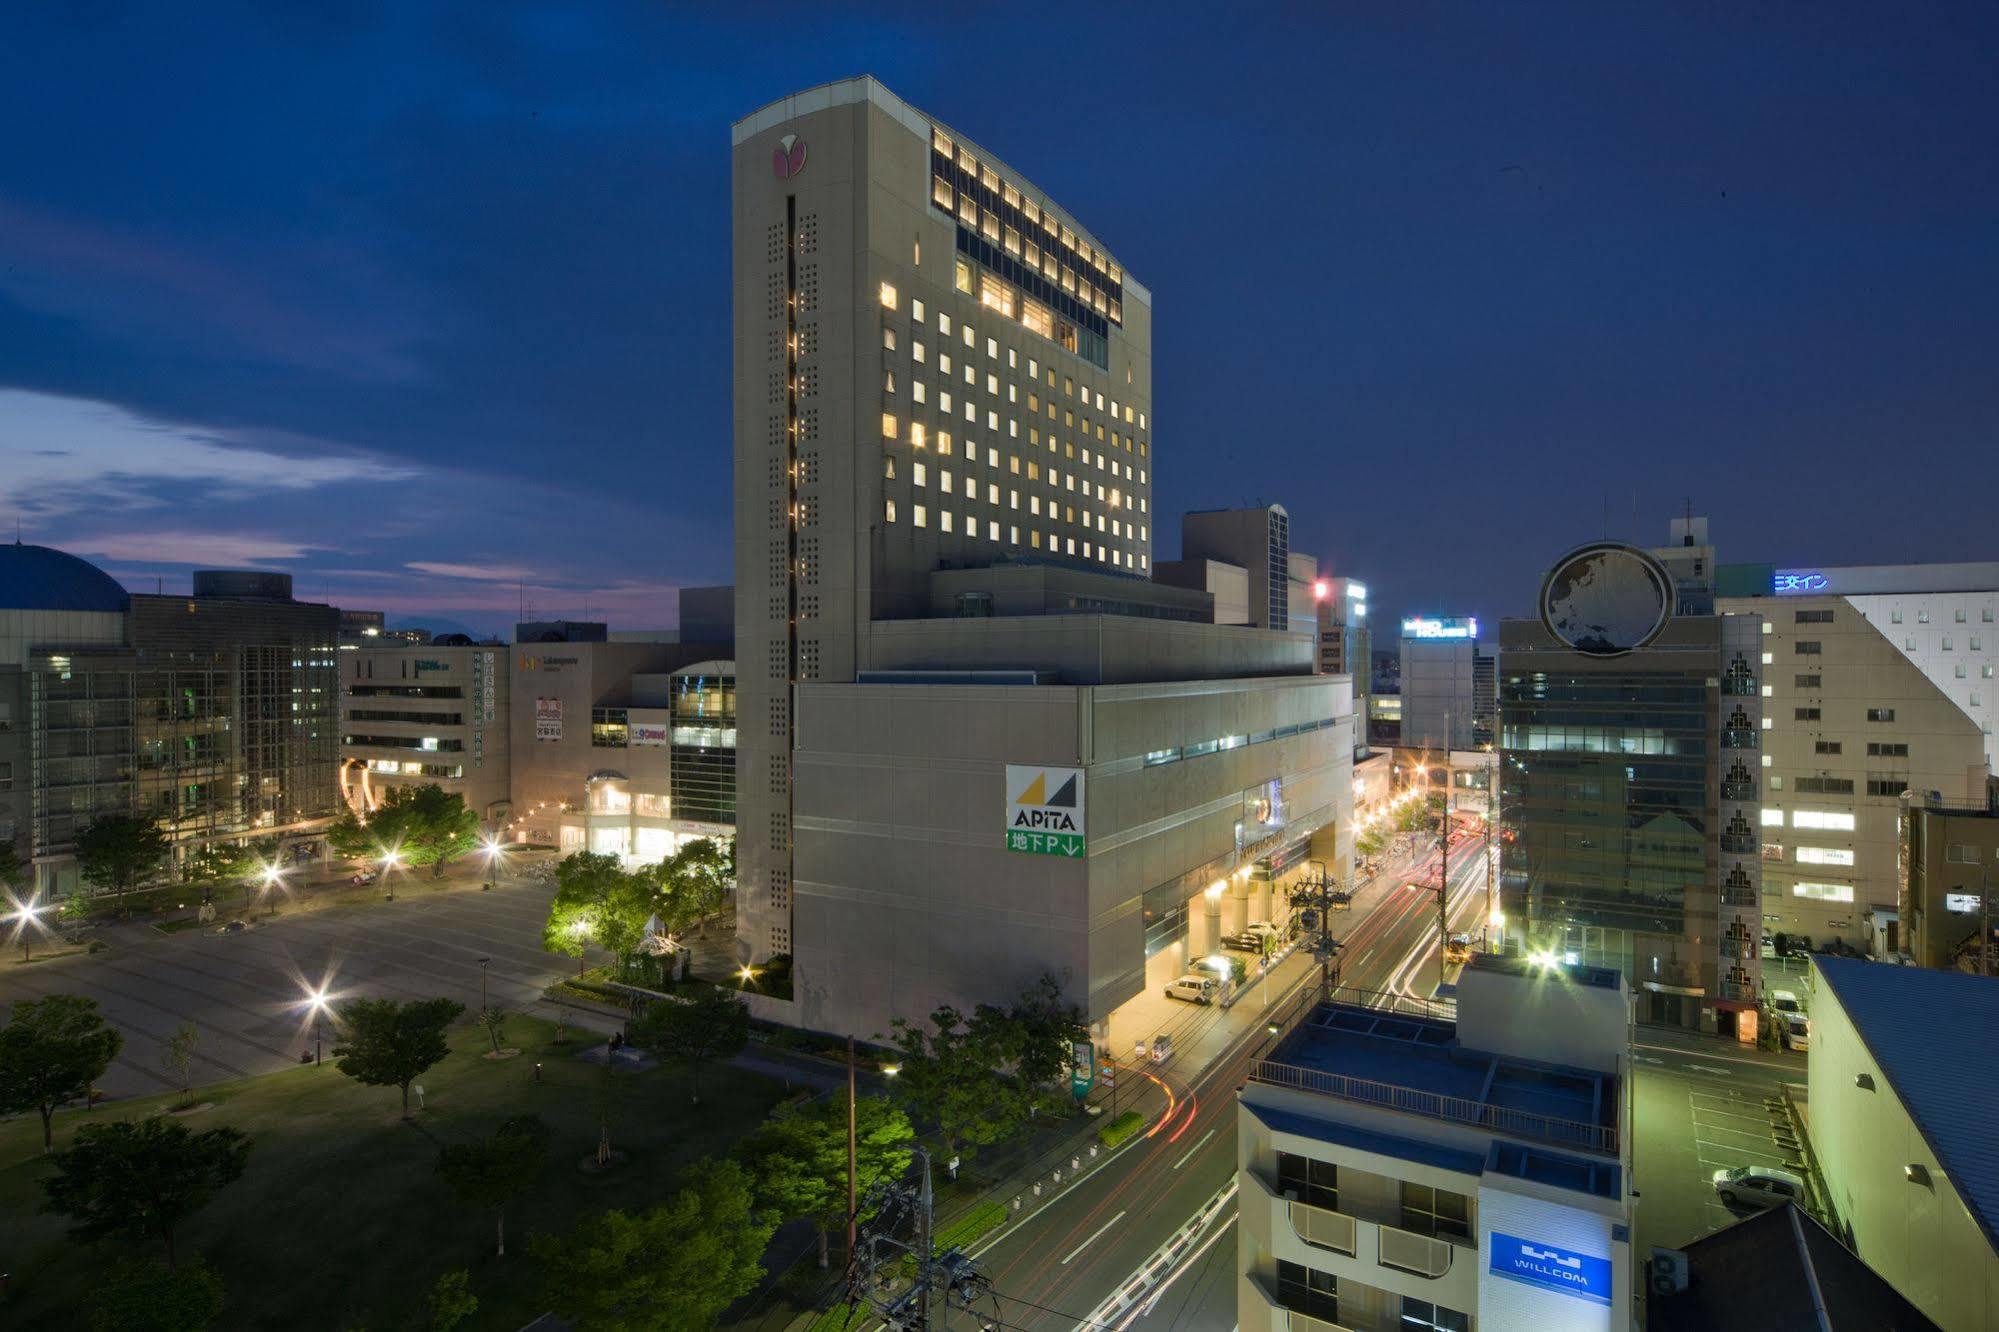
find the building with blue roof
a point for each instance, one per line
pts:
(1904, 1126)
(214, 714)
(1398, 1170)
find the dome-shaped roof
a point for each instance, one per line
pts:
(38, 578)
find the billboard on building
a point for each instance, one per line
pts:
(548, 719)
(1044, 810)
(649, 733)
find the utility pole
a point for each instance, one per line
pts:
(853, 1203)
(925, 1260)
(882, 1254)
(1316, 892)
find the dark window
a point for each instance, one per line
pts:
(1884, 749)
(1825, 786)
(1891, 787)
(1880, 714)
(1807, 681)
(1827, 746)
(1422, 1316)
(1314, 1182)
(1804, 714)
(1806, 647)
(1435, 1212)
(1308, 1291)
(1813, 617)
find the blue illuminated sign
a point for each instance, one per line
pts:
(1574, 1274)
(1423, 626)
(1803, 581)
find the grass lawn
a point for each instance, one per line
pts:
(340, 1221)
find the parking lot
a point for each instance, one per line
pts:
(244, 991)
(1704, 1105)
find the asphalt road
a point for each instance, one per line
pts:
(243, 991)
(1059, 1269)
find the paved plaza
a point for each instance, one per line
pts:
(243, 990)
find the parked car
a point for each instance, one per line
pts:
(1783, 1001)
(1796, 1031)
(365, 876)
(234, 927)
(1758, 1186)
(1243, 943)
(1194, 988)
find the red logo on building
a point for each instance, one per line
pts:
(788, 158)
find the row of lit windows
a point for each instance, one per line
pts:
(1002, 194)
(1957, 617)
(922, 438)
(1827, 819)
(920, 516)
(919, 475)
(891, 299)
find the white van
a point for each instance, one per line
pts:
(1194, 988)
(1797, 1031)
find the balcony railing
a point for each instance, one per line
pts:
(1323, 1229)
(1282, 1318)
(1434, 1105)
(1741, 844)
(1418, 1255)
(1738, 790)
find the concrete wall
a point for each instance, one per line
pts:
(1920, 1237)
(1436, 691)
(907, 895)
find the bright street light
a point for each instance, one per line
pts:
(28, 913)
(316, 1002)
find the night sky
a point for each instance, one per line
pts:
(423, 303)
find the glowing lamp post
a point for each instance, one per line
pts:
(390, 860)
(492, 863)
(273, 880)
(29, 914)
(318, 1001)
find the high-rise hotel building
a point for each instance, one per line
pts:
(943, 481)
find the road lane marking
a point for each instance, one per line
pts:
(1196, 1147)
(1094, 1237)
(1741, 1151)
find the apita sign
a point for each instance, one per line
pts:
(1044, 810)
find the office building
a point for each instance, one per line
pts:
(1877, 681)
(978, 742)
(600, 731)
(1949, 893)
(1902, 1084)
(215, 714)
(1256, 541)
(1484, 699)
(1345, 642)
(1439, 656)
(1397, 1170)
(430, 715)
(1630, 773)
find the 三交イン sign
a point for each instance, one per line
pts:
(1044, 810)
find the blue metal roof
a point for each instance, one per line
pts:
(1936, 1036)
(39, 578)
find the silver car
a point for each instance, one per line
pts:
(1758, 1187)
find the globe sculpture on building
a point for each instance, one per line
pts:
(1606, 599)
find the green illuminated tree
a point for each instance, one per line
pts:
(671, 1268)
(598, 901)
(51, 1051)
(699, 878)
(140, 1181)
(797, 1160)
(950, 1076)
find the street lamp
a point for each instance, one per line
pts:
(492, 863)
(29, 914)
(273, 879)
(318, 1001)
(389, 862)
(484, 964)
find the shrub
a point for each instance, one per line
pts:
(1121, 1128)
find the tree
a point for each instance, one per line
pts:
(1039, 1033)
(492, 1172)
(797, 1160)
(118, 852)
(152, 1297)
(494, 1021)
(140, 1181)
(50, 1053)
(712, 1025)
(423, 825)
(1371, 842)
(12, 871)
(674, 1267)
(177, 1055)
(699, 877)
(228, 862)
(950, 1077)
(597, 900)
(450, 1302)
(390, 1044)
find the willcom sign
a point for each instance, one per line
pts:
(1044, 810)
(1577, 1274)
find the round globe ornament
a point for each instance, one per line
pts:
(1606, 599)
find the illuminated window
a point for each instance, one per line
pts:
(945, 519)
(1824, 892)
(888, 381)
(1773, 817)
(1034, 538)
(988, 225)
(888, 510)
(1012, 535)
(917, 351)
(944, 479)
(964, 276)
(888, 466)
(970, 337)
(940, 143)
(890, 428)
(888, 295)
(1824, 855)
(916, 313)
(918, 516)
(919, 436)
(942, 194)
(1033, 368)
(989, 178)
(1823, 818)
(1013, 499)
(1037, 317)
(992, 492)
(917, 474)
(917, 392)
(944, 403)
(888, 339)
(1011, 239)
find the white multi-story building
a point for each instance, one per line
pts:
(1876, 681)
(1400, 1172)
(435, 714)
